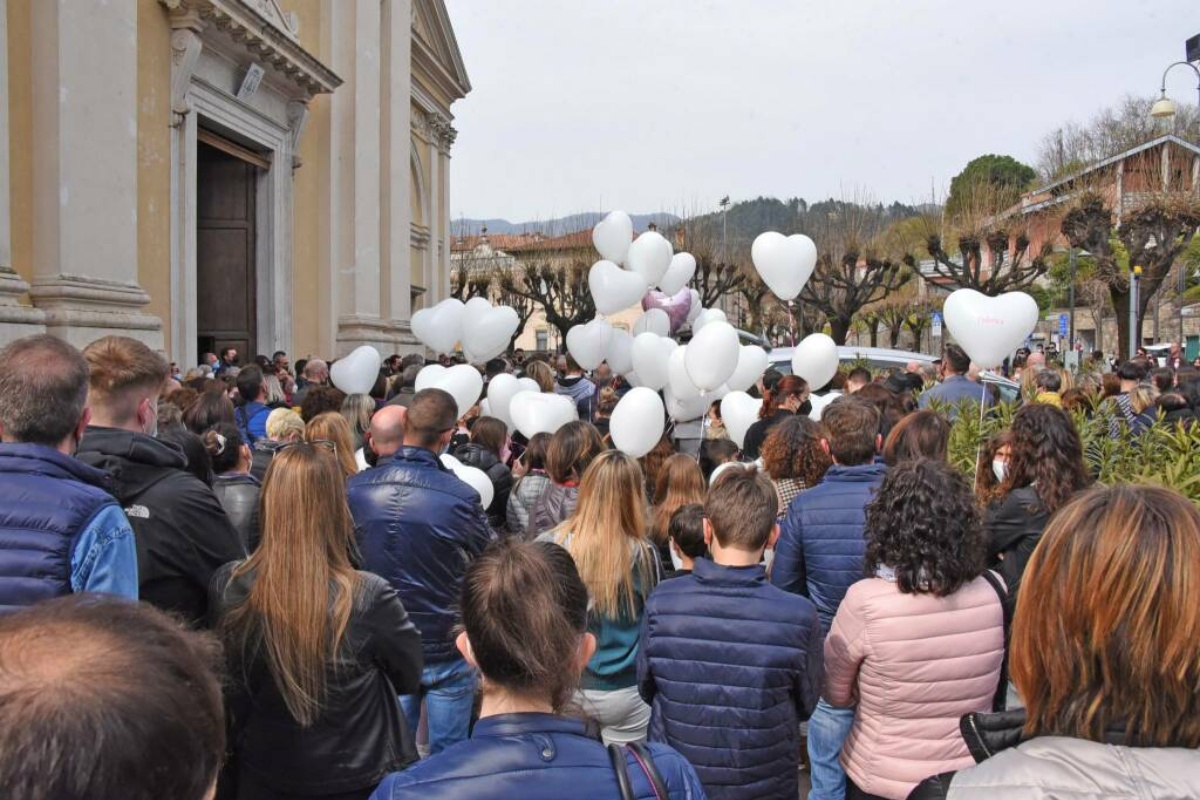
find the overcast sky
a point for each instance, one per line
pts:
(582, 105)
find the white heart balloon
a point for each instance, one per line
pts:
(422, 324)
(650, 256)
(442, 326)
(712, 355)
(696, 308)
(649, 356)
(637, 422)
(785, 263)
(613, 289)
(613, 235)
(500, 392)
(751, 364)
(620, 352)
(428, 377)
(357, 372)
(707, 316)
(680, 271)
(474, 477)
(654, 321)
(588, 343)
(686, 409)
(529, 385)
(476, 305)
(989, 329)
(462, 381)
(816, 360)
(541, 412)
(487, 334)
(739, 411)
(678, 381)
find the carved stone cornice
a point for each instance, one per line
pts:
(259, 27)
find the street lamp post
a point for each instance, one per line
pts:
(1165, 106)
(1071, 302)
(1135, 281)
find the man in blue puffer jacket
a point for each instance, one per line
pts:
(62, 530)
(729, 663)
(820, 553)
(419, 527)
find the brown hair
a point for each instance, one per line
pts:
(680, 482)
(793, 450)
(922, 434)
(652, 463)
(607, 402)
(571, 450)
(1110, 385)
(490, 433)
(524, 610)
(541, 374)
(93, 689)
(304, 557)
(534, 456)
(987, 487)
(609, 517)
(1047, 454)
(319, 400)
(742, 507)
(43, 389)
(789, 386)
(332, 427)
(431, 414)
(209, 409)
(1107, 628)
(122, 368)
(852, 429)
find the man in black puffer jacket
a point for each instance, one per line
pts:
(183, 535)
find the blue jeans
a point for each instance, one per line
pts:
(828, 728)
(448, 690)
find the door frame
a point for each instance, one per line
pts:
(218, 111)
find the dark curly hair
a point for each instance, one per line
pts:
(1047, 454)
(925, 524)
(793, 450)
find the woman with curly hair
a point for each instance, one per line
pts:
(920, 642)
(794, 459)
(786, 400)
(992, 468)
(1044, 470)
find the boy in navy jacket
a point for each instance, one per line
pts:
(729, 663)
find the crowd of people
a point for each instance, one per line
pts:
(327, 611)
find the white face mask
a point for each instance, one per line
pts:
(1000, 469)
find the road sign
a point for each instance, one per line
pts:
(936, 319)
(1062, 324)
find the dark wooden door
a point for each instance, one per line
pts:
(225, 253)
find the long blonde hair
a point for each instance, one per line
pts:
(607, 535)
(333, 427)
(680, 483)
(302, 564)
(541, 374)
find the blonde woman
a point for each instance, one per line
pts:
(358, 410)
(606, 536)
(283, 425)
(541, 373)
(332, 429)
(316, 651)
(680, 483)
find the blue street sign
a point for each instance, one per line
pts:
(1062, 324)
(936, 319)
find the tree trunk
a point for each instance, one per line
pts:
(875, 335)
(894, 336)
(839, 327)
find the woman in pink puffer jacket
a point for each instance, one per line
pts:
(919, 644)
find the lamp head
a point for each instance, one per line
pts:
(1163, 107)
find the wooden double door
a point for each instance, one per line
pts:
(226, 253)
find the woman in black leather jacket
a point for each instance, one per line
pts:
(236, 489)
(488, 439)
(317, 652)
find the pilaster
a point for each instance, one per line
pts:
(398, 188)
(85, 160)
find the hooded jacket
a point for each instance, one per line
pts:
(1060, 767)
(183, 535)
(478, 456)
(582, 391)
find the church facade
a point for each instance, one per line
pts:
(263, 174)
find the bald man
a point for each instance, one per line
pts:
(386, 433)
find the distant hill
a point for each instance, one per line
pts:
(555, 227)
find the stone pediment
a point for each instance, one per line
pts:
(435, 41)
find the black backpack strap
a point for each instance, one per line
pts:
(616, 756)
(652, 774)
(1000, 700)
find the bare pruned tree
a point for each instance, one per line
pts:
(561, 290)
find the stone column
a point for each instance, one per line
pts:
(86, 176)
(445, 142)
(16, 318)
(398, 91)
(434, 256)
(356, 118)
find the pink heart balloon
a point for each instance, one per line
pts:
(677, 306)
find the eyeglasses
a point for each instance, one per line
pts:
(328, 444)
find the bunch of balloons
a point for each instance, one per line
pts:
(648, 261)
(482, 329)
